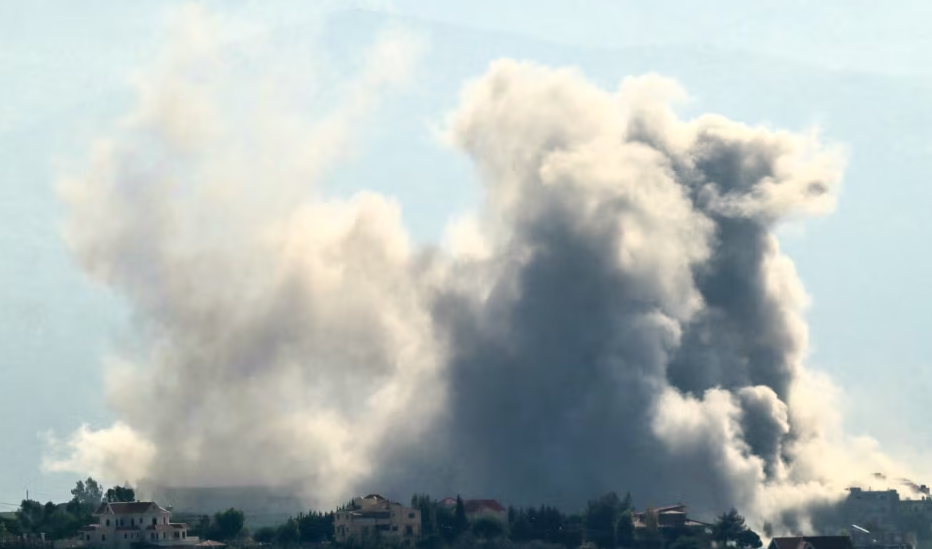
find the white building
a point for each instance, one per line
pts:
(120, 525)
(374, 515)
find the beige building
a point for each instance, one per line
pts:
(121, 524)
(374, 515)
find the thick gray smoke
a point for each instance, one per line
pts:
(617, 316)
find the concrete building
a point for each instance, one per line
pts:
(120, 525)
(375, 515)
(873, 509)
(882, 519)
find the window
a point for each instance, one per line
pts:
(103, 537)
(410, 515)
(132, 522)
(409, 531)
(88, 537)
(164, 520)
(124, 535)
(155, 521)
(108, 522)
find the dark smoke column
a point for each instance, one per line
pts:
(634, 325)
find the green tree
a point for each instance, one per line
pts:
(88, 493)
(228, 524)
(315, 527)
(120, 494)
(30, 515)
(728, 526)
(572, 531)
(520, 527)
(688, 542)
(266, 534)
(731, 527)
(602, 518)
(460, 522)
(288, 532)
(487, 528)
(748, 539)
(60, 524)
(624, 529)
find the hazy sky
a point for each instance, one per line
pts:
(66, 68)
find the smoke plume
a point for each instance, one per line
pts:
(617, 315)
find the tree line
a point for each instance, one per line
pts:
(607, 522)
(62, 520)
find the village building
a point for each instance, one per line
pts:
(476, 508)
(374, 516)
(670, 518)
(120, 525)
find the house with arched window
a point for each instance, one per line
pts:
(121, 525)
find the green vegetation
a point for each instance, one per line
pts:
(607, 522)
(120, 494)
(730, 528)
(56, 521)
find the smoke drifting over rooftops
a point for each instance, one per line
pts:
(617, 315)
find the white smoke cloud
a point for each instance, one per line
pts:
(287, 336)
(617, 316)
(117, 453)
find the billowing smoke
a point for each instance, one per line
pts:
(616, 316)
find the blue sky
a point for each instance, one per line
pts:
(856, 68)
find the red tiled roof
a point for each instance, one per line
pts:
(125, 508)
(478, 505)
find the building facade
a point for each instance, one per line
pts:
(121, 525)
(373, 516)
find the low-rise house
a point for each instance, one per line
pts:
(476, 508)
(671, 517)
(375, 515)
(120, 525)
(811, 542)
